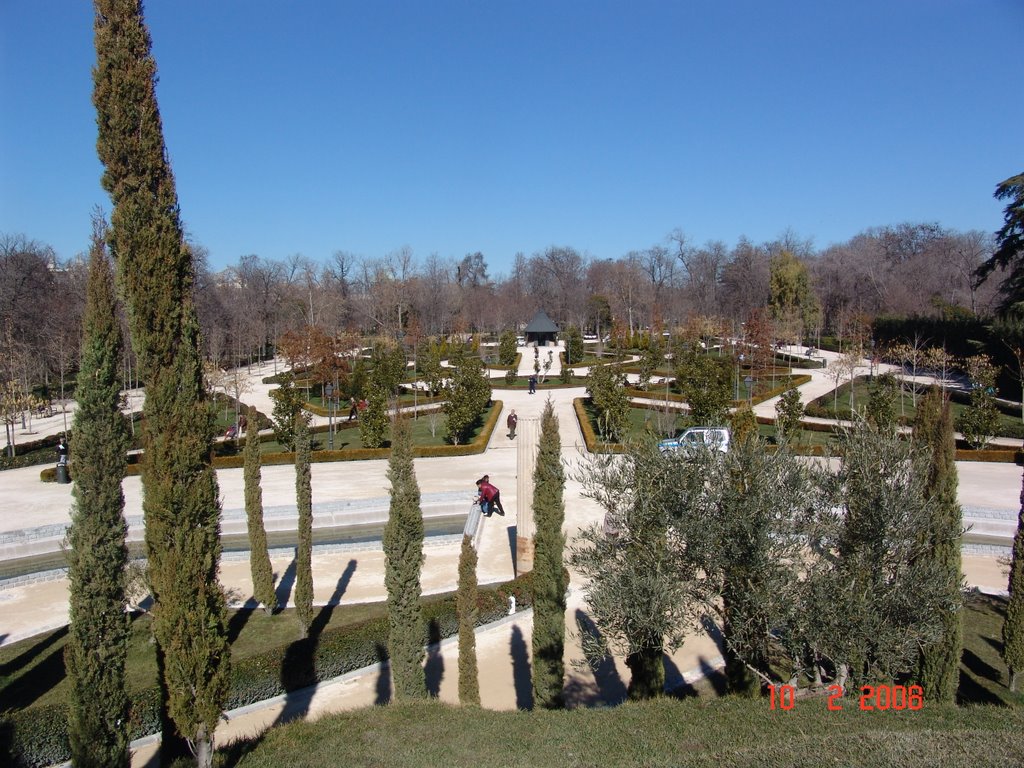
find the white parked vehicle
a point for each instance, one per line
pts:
(712, 438)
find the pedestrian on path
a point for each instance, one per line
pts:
(62, 452)
(533, 383)
(352, 409)
(511, 421)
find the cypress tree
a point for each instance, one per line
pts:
(549, 580)
(465, 600)
(403, 553)
(938, 669)
(97, 555)
(156, 274)
(259, 557)
(1013, 625)
(304, 551)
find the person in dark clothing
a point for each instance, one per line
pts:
(533, 384)
(489, 498)
(62, 452)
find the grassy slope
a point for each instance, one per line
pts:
(722, 732)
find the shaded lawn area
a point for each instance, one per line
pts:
(32, 671)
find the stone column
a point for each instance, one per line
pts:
(527, 439)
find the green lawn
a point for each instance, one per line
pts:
(838, 405)
(659, 423)
(726, 732)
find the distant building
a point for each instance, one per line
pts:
(541, 329)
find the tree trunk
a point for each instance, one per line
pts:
(647, 673)
(203, 748)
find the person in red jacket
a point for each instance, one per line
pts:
(490, 497)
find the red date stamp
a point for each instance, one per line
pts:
(872, 697)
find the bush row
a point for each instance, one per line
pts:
(789, 383)
(38, 736)
(49, 475)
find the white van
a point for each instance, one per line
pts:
(713, 438)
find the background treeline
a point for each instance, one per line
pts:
(905, 270)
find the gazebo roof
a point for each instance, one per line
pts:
(541, 323)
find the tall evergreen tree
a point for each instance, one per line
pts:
(549, 581)
(304, 550)
(97, 555)
(1009, 252)
(403, 553)
(259, 557)
(156, 273)
(938, 669)
(1013, 625)
(469, 682)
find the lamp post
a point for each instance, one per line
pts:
(328, 393)
(749, 383)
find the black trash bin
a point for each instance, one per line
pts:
(62, 474)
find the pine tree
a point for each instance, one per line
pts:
(403, 553)
(469, 683)
(1013, 625)
(156, 274)
(259, 557)
(97, 555)
(304, 550)
(938, 669)
(549, 580)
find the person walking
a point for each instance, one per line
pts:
(533, 383)
(511, 422)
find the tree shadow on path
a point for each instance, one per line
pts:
(610, 688)
(298, 668)
(521, 674)
(433, 670)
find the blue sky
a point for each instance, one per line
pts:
(451, 127)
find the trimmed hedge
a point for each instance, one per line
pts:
(37, 736)
(29, 453)
(478, 445)
(794, 381)
(995, 455)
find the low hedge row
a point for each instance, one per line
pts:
(995, 455)
(49, 475)
(37, 737)
(31, 453)
(792, 381)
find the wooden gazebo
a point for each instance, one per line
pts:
(541, 329)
